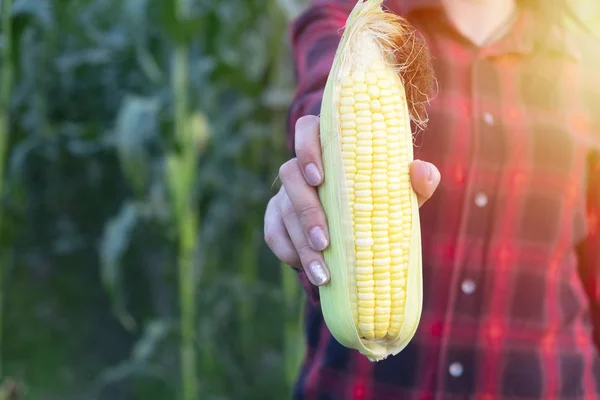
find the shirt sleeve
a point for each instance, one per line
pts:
(315, 35)
(589, 250)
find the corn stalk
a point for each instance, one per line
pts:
(182, 167)
(5, 95)
(293, 338)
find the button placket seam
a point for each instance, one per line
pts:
(444, 361)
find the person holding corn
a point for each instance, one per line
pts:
(509, 199)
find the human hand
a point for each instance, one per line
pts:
(295, 225)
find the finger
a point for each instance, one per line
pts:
(307, 205)
(425, 178)
(308, 149)
(311, 260)
(276, 235)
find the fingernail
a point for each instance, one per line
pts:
(430, 176)
(318, 239)
(318, 273)
(313, 176)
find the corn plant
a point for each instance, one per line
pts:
(143, 147)
(6, 81)
(181, 176)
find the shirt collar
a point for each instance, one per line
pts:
(526, 35)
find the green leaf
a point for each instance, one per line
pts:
(154, 333)
(177, 191)
(137, 124)
(294, 344)
(113, 246)
(136, 15)
(89, 56)
(41, 10)
(292, 8)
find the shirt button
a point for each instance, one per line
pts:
(481, 200)
(456, 369)
(468, 286)
(488, 118)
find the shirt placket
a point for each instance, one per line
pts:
(455, 366)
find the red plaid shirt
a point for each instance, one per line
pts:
(510, 238)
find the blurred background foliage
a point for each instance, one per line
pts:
(102, 198)
(143, 142)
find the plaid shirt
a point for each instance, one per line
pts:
(510, 238)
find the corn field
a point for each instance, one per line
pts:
(139, 143)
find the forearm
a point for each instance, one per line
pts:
(315, 35)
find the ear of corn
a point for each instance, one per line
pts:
(374, 298)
